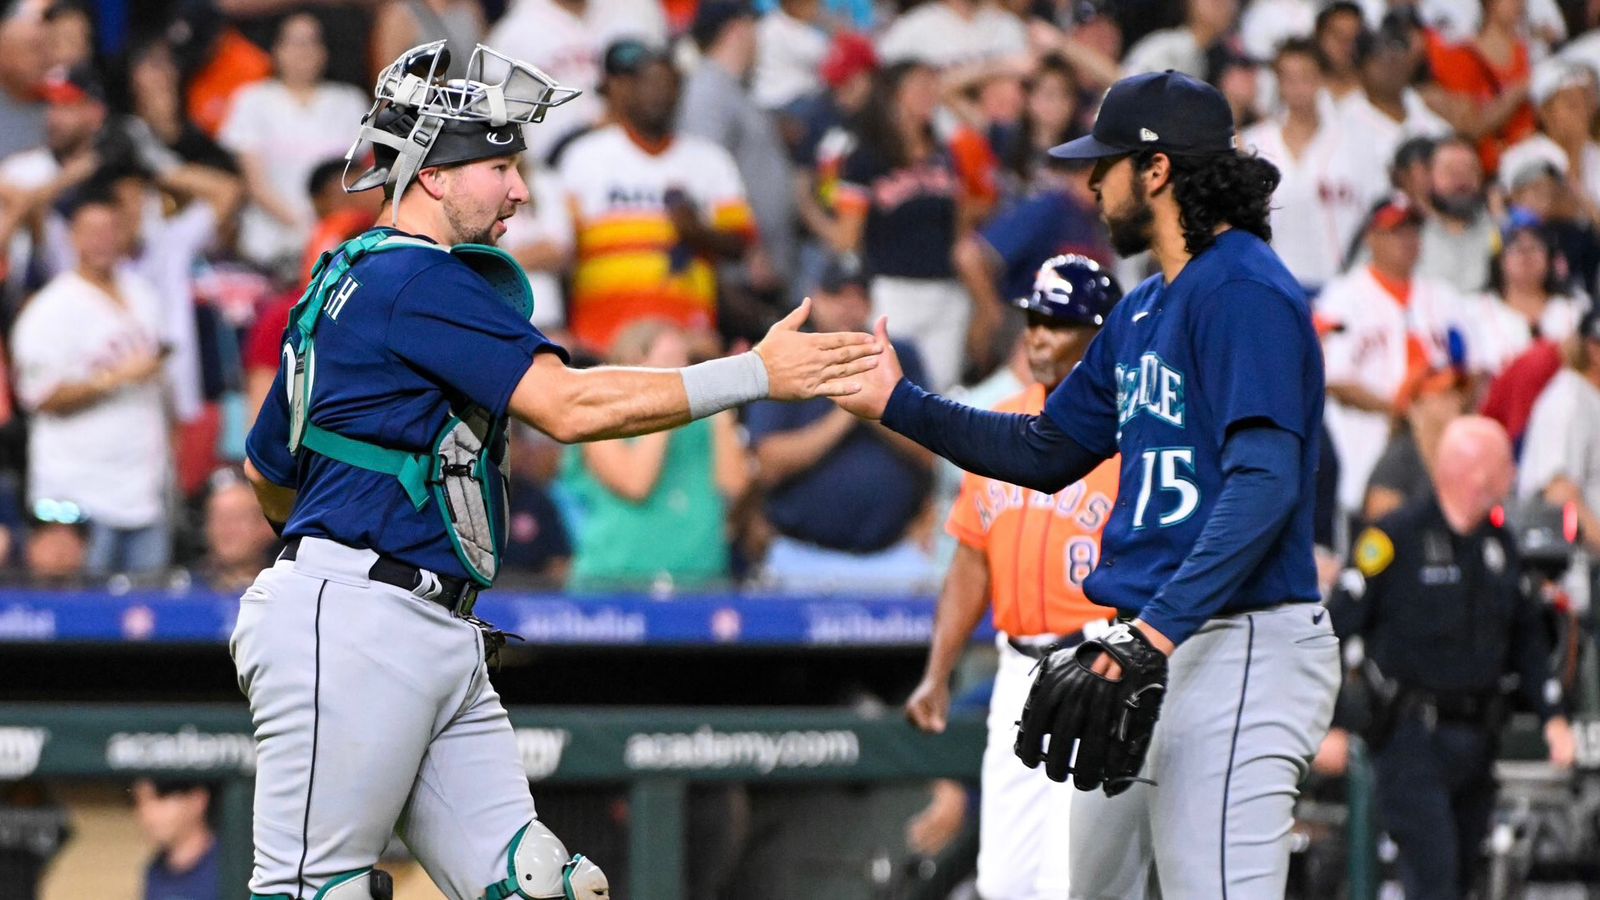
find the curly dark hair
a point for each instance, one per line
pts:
(1219, 189)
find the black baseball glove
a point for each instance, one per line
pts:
(1110, 721)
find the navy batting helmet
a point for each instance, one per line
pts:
(1073, 289)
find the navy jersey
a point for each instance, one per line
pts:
(1176, 366)
(408, 335)
(203, 881)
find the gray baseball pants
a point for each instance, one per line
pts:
(1249, 699)
(373, 714)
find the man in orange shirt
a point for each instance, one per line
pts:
(1030, 552)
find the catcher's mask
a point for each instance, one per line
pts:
(419, 118)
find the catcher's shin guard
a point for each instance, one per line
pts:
(540, 869)
(362, 884)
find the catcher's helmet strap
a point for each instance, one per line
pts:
(495, 96)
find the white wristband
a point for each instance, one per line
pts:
(720, 384)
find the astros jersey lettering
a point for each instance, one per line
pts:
(1040, 547)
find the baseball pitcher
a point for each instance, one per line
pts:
(1193, 719)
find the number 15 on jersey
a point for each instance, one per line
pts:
(1166, 482)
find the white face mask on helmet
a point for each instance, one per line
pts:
(419, 118)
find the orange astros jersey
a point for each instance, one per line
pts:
(1040, 547)
(631, 263)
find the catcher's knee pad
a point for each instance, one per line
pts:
(362, 884)
(540, 869)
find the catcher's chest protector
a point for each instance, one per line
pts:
(454, 472)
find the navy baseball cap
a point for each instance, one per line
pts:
(1167, 111)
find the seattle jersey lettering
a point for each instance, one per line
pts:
(1150, 387)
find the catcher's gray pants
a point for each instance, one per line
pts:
(1249, 700)
(372, 707)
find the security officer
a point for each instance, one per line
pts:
(1435, 591)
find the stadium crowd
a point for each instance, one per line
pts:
(166, 185)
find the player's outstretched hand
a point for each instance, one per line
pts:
(801, 365)
(878, 384)
(929, 706)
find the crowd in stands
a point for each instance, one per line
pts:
(167, 184)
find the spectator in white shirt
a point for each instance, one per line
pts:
(1565, 97)
(1525, 302)
(280, 130)
(88, 351)
(944, 33)
(791, 47)
(32, 180)
(1267, 24)
(1184, 48)
(1389, 109)
(1385, 320)
(567, 38)
(1561, 449)
(1339, 26)
(1330, 179)
(172, 214)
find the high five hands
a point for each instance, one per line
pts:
(802, 365)
(876, 384)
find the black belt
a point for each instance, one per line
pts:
(1459, 707)
(456, 595)
(1040, 651)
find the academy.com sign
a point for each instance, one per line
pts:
(762, 751)
(188, 748)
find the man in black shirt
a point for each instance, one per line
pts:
(1435, 590)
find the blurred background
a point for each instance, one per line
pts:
(721, 622)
